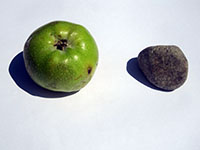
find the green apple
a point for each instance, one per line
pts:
(61, 56)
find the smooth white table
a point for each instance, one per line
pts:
(115, 111)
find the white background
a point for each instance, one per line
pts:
(114, 111)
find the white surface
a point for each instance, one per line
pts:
(114, 111)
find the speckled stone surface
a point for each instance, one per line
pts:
(164, 66)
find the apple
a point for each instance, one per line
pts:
(61, 56)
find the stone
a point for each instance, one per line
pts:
(166, 67)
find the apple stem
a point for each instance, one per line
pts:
(61, 44)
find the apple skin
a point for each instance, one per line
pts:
(61, 56)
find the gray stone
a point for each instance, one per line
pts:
(164, 66)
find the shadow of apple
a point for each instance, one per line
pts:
(133, 69)
(19, 74)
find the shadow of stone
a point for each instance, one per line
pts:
(133, 69)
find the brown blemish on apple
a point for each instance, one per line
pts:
(59, 36)
(78, 77)
(89, 69)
